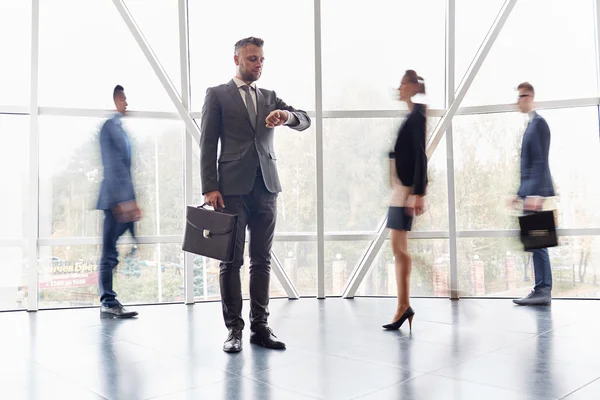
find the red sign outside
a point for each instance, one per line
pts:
(69, 276)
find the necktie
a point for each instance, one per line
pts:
(250, 106)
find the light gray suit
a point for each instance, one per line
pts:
(246, 175)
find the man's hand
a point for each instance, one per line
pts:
(276, 118)
(214, 199)
(533, 203)
(127, 211)
(415, 205)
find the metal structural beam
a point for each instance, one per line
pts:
(597, 31)
(363, 267)
(283, 278)
(432, 112)
(160, 72)
(188, 142)
(32, 226)
(300, 237)
(365, 264)
(450, 74)
(472, 71)
(319, 153)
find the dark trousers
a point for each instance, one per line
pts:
(110, 256)
(542, 269)
(257, 210)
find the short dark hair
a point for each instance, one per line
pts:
(240, 44)
(526, 86)
(118, 91)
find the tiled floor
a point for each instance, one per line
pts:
(470, 349)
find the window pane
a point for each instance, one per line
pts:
(486, 166)
(289, 66)
(574, 164)
(14, 292)
(14, 174)
(15, 47)
(14, 210)
(473, 21)
(68, 275)
(487, 161)
(356, 172)
(430, 270)
(206, 279)
(83, 58)
(341, 258)
(296, 163)
(356, 169)
(500, 267)
(159, 22)
(532, 48)
(71, 172)
(368, 46)
(299, 260)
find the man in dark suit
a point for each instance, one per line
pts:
(536, 184)
(117, 200)
(244, 181)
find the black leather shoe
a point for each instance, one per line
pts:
(117, 311)
(233, 344)
(265, 337)
(541, 297)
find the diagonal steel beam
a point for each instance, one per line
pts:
(365, 264)
(285, 281)
(363, 267)
(160, 72)
(472, 71)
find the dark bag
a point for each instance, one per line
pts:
(538, 230)
(210, 233)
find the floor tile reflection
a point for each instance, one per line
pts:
(467, 349)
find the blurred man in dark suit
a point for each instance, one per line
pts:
(117, 200)
(536, 184)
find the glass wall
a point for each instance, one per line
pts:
(14, 211)
(352, 90)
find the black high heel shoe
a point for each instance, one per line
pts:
(408, 315)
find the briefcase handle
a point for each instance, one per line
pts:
(205, 205)
(205, 232)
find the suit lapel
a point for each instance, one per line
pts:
(237, 99)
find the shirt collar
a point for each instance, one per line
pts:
(531, 114)
(241, 83)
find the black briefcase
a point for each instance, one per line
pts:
(538, 230)
(210, 233)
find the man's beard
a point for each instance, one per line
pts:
(249, 77)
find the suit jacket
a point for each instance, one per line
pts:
(409, 151)
(116, 186)
(535, 171)
(243, 148)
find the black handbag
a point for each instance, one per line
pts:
(538, 230)
(210, 233)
